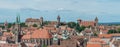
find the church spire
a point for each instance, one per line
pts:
(96, 19)
(6, 24)
(41, 21)
(18, 19)
(58, 20)
(18, 29)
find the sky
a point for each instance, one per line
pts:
(69, 10)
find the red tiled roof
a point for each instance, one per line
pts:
(26, 36)
(8, 34)
(115, 34)
(41, 33)
(3, 38)
(108, 35)
(87, 23)
(105, 35)
(32, 20)
(104, 30)
(9, 45)
(98, 40)
(94, 45)
(52, 23)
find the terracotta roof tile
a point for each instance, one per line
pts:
(105, 35)
(94, 45)
(9, 45)
(87, 23)
(97, 40)
(8, 34)
(26, 36)
(41, 33)
(3, 38)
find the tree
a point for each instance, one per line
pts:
(23, 25)
(71, 24)
(95, 34)
(2, 27)
(44, 45)
(79, 28)
(46, 22)
(118, 30)
(9, 25)
(112, 31)
(62, 23)
(35, 25)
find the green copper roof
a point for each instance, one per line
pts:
(18, 19)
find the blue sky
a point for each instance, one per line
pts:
(69, 10)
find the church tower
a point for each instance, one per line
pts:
(58, 20)
(96, 21)
(79, 21)
(6, 25)
(18, 29)
(41, 21)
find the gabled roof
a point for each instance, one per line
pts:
(104, 35)
(8, 34)
(40, 33)
(87, 23)
(96, 40)
(94, 45)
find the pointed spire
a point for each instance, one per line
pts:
(58, 17)
(96, 19)
(41, 17)
(58, 21)
(18, 19)
(6, 23)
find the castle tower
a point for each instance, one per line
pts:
(58, 21)
(96, 21)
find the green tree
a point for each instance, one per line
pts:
(9, 25)
(23, 25)
(112, 31)
(79, 28)
(46, 22)
(44, 45)
(118, 30)
(2, 27)
(35, 25)
(95, 34)
(71, 24)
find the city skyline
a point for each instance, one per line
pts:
(69, 10)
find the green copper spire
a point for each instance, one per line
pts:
(18, 19)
